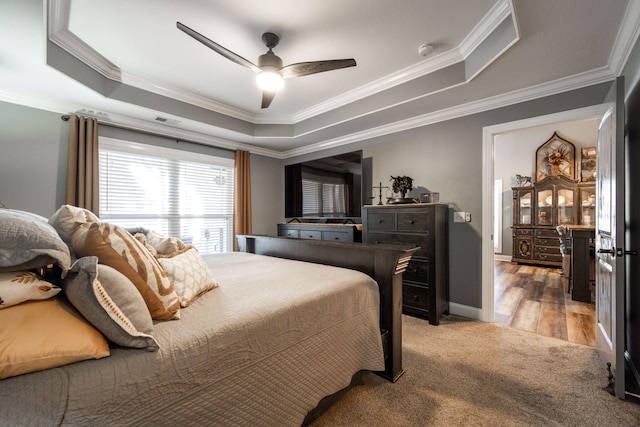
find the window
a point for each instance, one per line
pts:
(173, 192)
(323, 195)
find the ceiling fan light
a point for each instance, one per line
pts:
(270, 81)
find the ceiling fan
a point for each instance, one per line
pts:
(269, 69)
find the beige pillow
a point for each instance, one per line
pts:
(65, 219)
(189, 274)
(39, 335)
(117, 248)
(21, 286)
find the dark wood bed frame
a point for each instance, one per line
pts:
(384, 263)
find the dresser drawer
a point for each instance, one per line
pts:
(415, 296)
(311, 234)
(547, 256)
(549, 250)
(547, 232)
(290, 233)
(412, 222)
(417, 271)
(411, 240)
(524, 231)
(336, 236)
(547, 242)
(381, 221)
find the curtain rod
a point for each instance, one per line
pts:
(66, 117)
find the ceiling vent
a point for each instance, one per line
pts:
(166, 121)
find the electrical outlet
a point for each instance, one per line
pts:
(467, 216)
(459, 216)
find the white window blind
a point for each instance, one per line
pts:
(322, 198)
(173, 192)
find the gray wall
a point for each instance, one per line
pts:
(33, 157)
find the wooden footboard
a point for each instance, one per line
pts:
(384, 263)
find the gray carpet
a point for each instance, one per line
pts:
(471, 373)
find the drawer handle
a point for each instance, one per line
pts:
(411, 221)
(311, 236)
(336, 238)
(377, 242)
(380, 221)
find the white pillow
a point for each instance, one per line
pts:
(188, 273)
(21, 286)
(64, 220)
(164, 245)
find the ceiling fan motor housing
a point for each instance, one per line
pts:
(270, 60)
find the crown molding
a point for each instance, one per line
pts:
(498, 13)
(590, 78)
(626, 38)
(138, 125)
(482, 30)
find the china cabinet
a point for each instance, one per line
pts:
(539, 208)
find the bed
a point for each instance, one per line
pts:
(279, 333)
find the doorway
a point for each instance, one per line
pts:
(534, 299)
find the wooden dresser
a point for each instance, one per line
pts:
(425, 284)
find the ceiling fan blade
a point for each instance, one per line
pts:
(267, 97)
(217, 48)
(305, 68)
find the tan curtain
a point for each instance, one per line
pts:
(242, 196)
(82, 164)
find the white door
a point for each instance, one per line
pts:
(609, 235)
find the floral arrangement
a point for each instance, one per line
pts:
(556, 157)
(401, 184)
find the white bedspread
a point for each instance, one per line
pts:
(262, 349)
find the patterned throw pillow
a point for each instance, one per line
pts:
(117, 248)
(189, 274)
(21, 286)
(110, 301)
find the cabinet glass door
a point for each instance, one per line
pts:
(525, 208)
(545, 207)
(588, 206)
(565, 206)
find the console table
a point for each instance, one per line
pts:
(320, 231)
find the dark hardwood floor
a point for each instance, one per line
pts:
(533, 299)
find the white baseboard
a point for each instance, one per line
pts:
(497, 257)
(465, 311)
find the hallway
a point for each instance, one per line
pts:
(532, 299)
